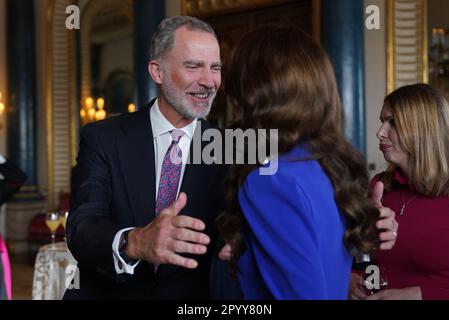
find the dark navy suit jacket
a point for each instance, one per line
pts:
(113, 187)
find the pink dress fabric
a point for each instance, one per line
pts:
(6, 267)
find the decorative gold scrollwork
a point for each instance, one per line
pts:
(212, 7)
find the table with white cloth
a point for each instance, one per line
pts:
(54, 271)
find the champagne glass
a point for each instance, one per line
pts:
(362, 260)
(53, 220)
(373, 279)
(63, 220)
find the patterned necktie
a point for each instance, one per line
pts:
(170, 173)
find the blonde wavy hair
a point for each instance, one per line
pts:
(421, 116)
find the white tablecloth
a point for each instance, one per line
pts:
(54, 271)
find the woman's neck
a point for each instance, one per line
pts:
(404, 171)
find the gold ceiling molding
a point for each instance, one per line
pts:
(407, 43)
(206, 8)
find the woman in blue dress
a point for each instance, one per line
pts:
(292, 232)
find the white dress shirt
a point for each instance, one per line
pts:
(161, 128)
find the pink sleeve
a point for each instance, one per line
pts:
(6, 267)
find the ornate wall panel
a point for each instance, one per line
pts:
(61, 105)
(407, 42)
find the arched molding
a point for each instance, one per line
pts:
(90, 11)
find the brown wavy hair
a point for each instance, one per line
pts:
(421, 115)
(279, 78)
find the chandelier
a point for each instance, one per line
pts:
(2, 105)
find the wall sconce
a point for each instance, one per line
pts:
(2, 105)
(92, 110)
(2, 110)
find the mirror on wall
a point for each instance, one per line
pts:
(407, 56)
(112, 59)
(107, 80)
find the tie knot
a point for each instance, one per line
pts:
(176, 134)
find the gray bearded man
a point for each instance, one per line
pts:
(141, 224)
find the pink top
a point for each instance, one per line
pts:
(420, 256)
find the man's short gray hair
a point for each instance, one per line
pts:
(164, 37)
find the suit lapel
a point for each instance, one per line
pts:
(136, 154)
(194, 172)
(194, 175)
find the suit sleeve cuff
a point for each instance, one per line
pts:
(120, 265)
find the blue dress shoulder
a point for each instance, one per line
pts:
(294, 238)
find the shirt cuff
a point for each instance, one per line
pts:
(120, 265)
(2, 159)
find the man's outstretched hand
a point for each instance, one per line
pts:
(167, 236)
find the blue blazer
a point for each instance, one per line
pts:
(294, 239)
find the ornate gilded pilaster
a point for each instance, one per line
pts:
(407, 43)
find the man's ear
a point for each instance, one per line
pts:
(154, 69)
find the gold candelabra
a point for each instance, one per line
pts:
(92, 110)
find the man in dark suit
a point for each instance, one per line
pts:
(141, 224)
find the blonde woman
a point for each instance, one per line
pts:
(414, 138)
